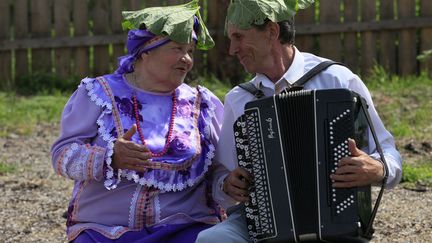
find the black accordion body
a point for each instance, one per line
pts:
(291, 143)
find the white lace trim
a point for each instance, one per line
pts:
(110, 182)
(157, 209)
(71, 150)
(132, 207)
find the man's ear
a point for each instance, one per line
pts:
(273, 30)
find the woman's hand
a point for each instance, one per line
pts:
(130, 155)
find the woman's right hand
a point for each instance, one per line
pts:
(130, 155)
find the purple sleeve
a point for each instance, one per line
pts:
(73, 154)
(218, 171)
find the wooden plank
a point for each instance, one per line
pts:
(306, 17)
(101, 53)
(174, 2)
(77, 41)
(116, 28)
(41, 27)
(63, 56)
(324, 28)
(80, 52)
(330, 44)
(425, 36)
(350, 40)
(407, 40)
(21, 32)
(219, 62)
(5, 56)
(153, 3)
(368, 38)
(135, 4)
(387, 57)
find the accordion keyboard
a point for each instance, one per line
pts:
(250, 156)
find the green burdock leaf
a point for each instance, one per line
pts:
(302, 4)
(246, 13)
(176, 22)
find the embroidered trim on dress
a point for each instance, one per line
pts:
(110, 182)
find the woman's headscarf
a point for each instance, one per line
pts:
(153, 27)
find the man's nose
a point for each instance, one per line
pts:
(233, 49)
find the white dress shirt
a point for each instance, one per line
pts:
(336, 76)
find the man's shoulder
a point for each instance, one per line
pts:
(237, 93)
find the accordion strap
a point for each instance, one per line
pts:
(298, 85)
(250, 87)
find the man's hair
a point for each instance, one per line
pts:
(287, 30)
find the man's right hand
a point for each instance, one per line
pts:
(236, 184)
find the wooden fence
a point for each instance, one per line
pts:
(78, 38)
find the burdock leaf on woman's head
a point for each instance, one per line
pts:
(176, 22)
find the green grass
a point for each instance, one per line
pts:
(219, 88)
(6, 168)
(20, 114)
(418, 173)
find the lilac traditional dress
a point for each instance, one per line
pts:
(171, 201)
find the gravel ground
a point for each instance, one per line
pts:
(33, 198)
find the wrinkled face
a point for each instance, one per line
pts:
(250, 46)
(167, 65)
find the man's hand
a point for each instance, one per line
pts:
(357, 170)
(236, 184)
(130, 155)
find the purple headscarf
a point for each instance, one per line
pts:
(136, 41)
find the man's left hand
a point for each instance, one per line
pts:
(357, 170)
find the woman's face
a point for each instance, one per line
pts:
(166, 66)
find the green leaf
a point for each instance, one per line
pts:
(246, 13)
(302, 4)
(176, 22)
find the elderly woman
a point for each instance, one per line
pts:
(139, 143)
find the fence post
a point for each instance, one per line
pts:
(63, 56)
(350, 41)
(116, 27)
(368, 38)
(21, 31)
(80, 23)
(305, 17)
(426, 33)
(407, 40)
(101, 27)
(5, 56)
(387, 39)
(330, 44)
(41, 27)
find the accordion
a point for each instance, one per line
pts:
(291, 143)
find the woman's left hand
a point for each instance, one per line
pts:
(130, 155)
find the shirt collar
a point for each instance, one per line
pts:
(294, 72)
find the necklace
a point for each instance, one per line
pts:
(170, 129)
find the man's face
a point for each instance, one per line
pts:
(251, 47)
